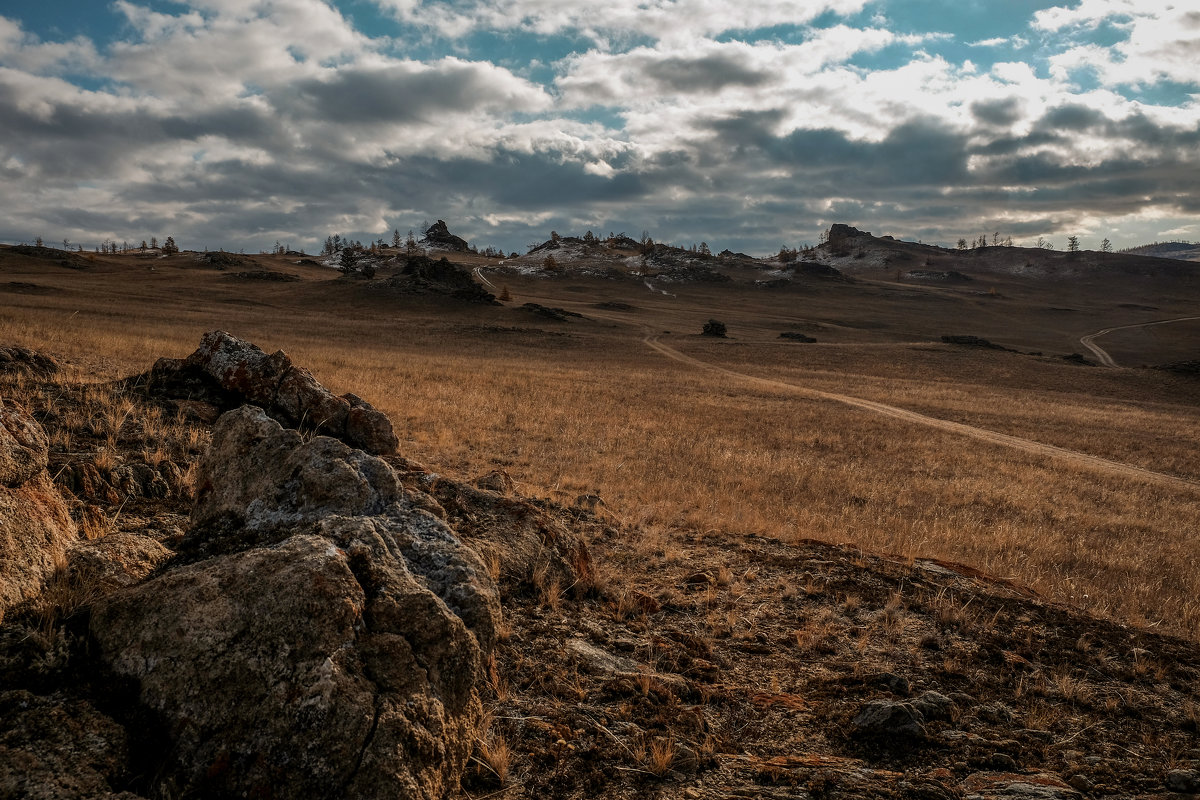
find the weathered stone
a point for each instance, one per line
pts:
(321, 636)
(24, 448)
(226, 372)
(368, 428)
(21, 359)
(35, 528)
(497, 481)
(1017, 786)
(597, 661)
(115, 561)
(303, 400)
(240, 367)
(529, 545)
(888, 719)
(1184, 780)
(52, 748)
(936, 706)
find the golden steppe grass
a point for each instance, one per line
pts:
(669, 446)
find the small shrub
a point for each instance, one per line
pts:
(714, 328)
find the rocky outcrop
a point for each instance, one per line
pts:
(226, 372)
(423, 275)
(522, 544)
(439, 236)
(22, 359)
(35, 528)
(319, 633)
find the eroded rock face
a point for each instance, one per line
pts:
(50, 748)
(226, 372)
(322, 635)
(35, 529)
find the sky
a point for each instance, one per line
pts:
(745, 124)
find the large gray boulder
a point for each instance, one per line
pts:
(36, 530)
(317, 635)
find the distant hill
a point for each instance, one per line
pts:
(854, 252)
(1183, 251)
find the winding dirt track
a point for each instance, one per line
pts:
(1107, 360)
(981, 434)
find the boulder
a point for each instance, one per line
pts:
(1017, 786)
(226, 372)
(891, 720)
(36, 530)
(21, 359)
(115, 561)
(318, 634)
(24, 447)
(525, 544)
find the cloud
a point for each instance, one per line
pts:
(233, 123)
(679, 20)
(1162, 41)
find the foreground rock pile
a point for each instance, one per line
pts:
(319, 631)
(319, 616)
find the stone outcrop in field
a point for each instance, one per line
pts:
(226, 371)
(317, 635)
(35, 529)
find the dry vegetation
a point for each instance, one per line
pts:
(588, 408)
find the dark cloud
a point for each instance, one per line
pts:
(397, 94)
(708, 73)
(1000, 113)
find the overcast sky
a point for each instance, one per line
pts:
(745, 124)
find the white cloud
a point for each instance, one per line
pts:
(1162, 42)
(661, 19)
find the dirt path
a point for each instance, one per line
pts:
(479, 276)
(980, 434)
(1103, 357)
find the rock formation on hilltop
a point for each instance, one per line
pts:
(439, 237)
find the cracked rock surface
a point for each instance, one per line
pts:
(320, 636)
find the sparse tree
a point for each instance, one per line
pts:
(962, 244)
(554, 237)
(996, 239)
(143, 245)
(410, 244)
(153, 242)
(704, 251)
(1008, 241)
(66, 243)
(1073, 244)
(37, 242)
(348, 260)
(168, 246)
(1106, 246)
(396, 238)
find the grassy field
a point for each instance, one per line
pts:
(587, 407)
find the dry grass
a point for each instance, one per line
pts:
(673, 448)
